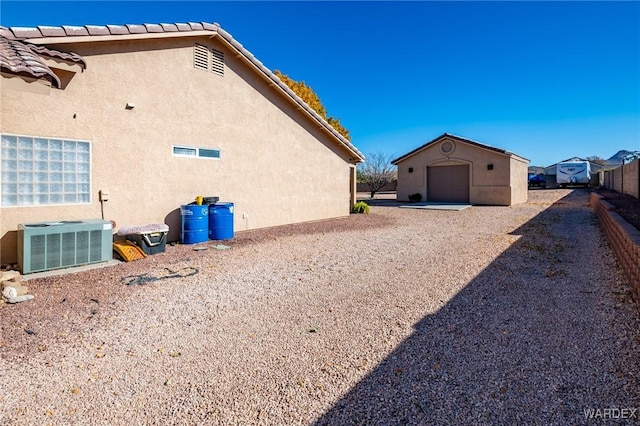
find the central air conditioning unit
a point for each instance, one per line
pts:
(53, 245)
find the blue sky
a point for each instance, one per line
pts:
(546, 80)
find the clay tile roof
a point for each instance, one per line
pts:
(36, 67)
(136, 29)
(168, 28)
(51, 31)
(17, 57)
(97, 30)
(20, 32)
(153, 28)
(6, 33)
(67, 56)
(183, 27)
(72, 30)
(118, 29)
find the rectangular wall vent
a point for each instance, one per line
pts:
(208, 59)
(53, 245)
(201, 57)
(217, 62)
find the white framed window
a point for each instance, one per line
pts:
(187, 151)
(44, 171)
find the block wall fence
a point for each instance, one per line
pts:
(624, 239)
(625, 179)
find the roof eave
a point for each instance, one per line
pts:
(116, 37)
(355, 155)
(463, 140)
(54, 36)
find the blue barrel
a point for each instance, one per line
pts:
(220, 221)
(195, 224)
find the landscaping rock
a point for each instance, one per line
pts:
(10, 276)
(12, 289)
(22, 290)
(9, 292)
(18, 299)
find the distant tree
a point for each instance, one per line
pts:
(597, 160)
(376, 172)
(307, 94)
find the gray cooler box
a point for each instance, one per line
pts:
(151, 239)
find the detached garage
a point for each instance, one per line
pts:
(457, 170)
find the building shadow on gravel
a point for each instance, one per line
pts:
(525, 342)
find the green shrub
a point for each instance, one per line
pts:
(360, 207)
(415, 197)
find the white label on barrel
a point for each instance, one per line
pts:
(186, 212)
(205, 211)
(231, 209)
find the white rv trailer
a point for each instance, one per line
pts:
(573, 173)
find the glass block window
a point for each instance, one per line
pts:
(43, 171)
(186, 151)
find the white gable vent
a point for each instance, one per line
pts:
(201, 57)
(208, 59)
(217, 62)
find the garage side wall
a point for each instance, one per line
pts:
(274, 164)
(411, 178)
(519, 185)
(489, 172)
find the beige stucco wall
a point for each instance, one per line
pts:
(506, 184)
(519, 180)
(276, 166)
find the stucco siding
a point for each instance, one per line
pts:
(494, 195)
(519, 181)
(492, 174)
(274, 165)
(411, 182)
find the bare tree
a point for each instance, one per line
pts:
(597, 160)
(376, 172)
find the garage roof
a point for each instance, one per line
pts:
(460, 139)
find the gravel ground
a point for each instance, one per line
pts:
(490, 315)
